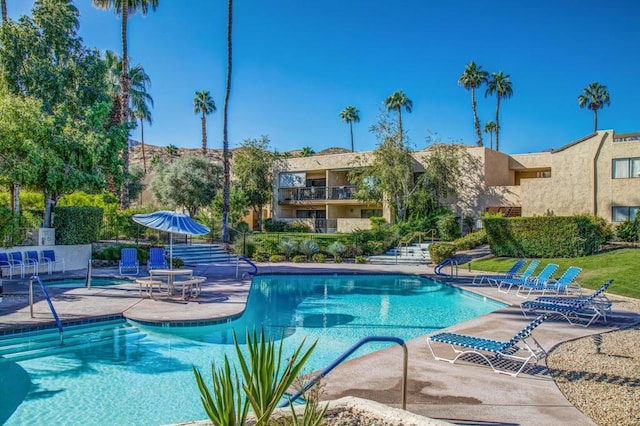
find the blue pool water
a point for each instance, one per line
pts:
(76, 283)
(145, 377)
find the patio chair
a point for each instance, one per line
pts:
(525, 275)
(478, 278)
(521, 348)
(581, 311)
(129, 261)
(565, 282)
(16, 258)
(157, 259)
(32, 260)
(7, 262)
(48, 257)
(531, 283)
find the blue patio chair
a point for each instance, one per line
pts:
(157, 259)
(16, 258)
(565, 282)
(533, 283)
(581, 311)
(129, 261)
(521, 348)
(525, 275)
(48, 257)
(7, 262)
(31, 260)
(511, 273)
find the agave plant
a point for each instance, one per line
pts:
(308, 248)
(288, 247)
(336, 249)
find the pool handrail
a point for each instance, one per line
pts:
(448, 261)
(46, 296)
(255, 268)
(345, 355)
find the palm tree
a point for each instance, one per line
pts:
(472, 78)
(204, 104)
(350, 115)
(501, 86)
(226, 188)
(395, 102)
(306, 151)
(130, 7)
(4, 11)
(142, 112)
(594, 97)
(490, 127)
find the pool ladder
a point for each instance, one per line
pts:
(346, 354)
(46, 296)
(250, 263)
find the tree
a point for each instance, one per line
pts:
(253, 169)
(190, 182)
(350, 115)
(238, 206)
(203, 104)
(472, 78)
(124, 8)
(594, 97)
(396, 102)
(306, 151)
(490, 127)
(225, 134)
(501, 86)
(4, 11)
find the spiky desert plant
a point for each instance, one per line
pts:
(336, 249)
(308, 248)
(288, 247)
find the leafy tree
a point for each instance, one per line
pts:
(124, 8)
(594, 97)
(203, 104)
(472, 78)
(4, 10)
(307, 151)
(501, 86)
(238, 205)
(253, 169)
(172, 150)
(490, 127)
(350, 115)
(396, 102)
(190, 182)
(226, 192)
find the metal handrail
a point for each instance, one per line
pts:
(46, 296)
(346, 354)
(255, 268)
(448, 261)
(419, 235)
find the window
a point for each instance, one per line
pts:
(292, 180)
(367, 213)
(626, 168)
(623, 213)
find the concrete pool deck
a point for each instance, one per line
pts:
(457, 393)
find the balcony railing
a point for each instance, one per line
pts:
(310, 193)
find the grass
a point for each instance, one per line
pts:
(621, 265)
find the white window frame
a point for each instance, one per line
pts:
(625, 168)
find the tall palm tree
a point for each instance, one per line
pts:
(203, 104)
(141, 111)
(395, 102)
(351, 115)
(4, 11)
(501, 86)
(472, 78)
(594, 97)
(490, 127)
(124, 8)
(226, 188)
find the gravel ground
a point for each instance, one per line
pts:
(602, 379)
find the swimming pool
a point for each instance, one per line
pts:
(81, 282)
(142, 375)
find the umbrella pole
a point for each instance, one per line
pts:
(170, 250)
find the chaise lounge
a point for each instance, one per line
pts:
(512, 272)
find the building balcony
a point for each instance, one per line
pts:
(316, 193)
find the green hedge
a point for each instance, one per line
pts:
(546, 236)
(77, 225)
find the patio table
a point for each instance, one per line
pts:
(170, 275)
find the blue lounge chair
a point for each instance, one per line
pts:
(129, 261)
(566, 281)
(157, 259)
(525, 275)
(48, 257)
(7, 262)
(534, 283)
(512, 272)
(520, 348)
(578, 311)
(32, 260)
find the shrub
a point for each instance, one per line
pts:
(271, 225)
(360, 259)
(308, 248)
(300, 258)
(177, 263)
(259, 257)
(448, 227)
(440, 251)
(276, 258)
(628, 231)
(471, 240)
(337, 259)
(77, 225)
(244, 247)
(336, 249)
(288, 247)
(297, 226)
(319, 257)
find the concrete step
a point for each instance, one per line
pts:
(202, 253)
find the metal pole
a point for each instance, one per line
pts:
(31, 297)
(89, 271)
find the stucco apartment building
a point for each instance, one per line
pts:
(598, 174)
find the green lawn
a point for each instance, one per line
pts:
(622, 265)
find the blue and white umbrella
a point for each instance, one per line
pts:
(173, 223)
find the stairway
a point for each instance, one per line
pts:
(35, 344)
(415, 254)
(194, 254)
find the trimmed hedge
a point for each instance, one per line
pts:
(77, 225)
(440, 251)
(546, 236)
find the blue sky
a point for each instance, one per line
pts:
(297, 64)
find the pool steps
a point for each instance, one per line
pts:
(37, 344)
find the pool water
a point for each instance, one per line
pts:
(145, 377)
(77, 283)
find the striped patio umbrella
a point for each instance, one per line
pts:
(173, 223)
